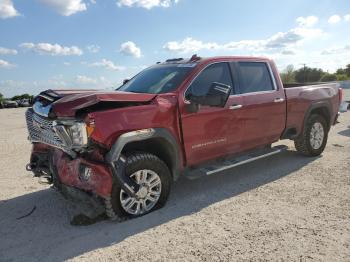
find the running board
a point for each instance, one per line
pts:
(228, 163)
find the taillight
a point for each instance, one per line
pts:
(340, 95)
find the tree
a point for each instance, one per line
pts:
(307, 74)
(342, 77)
(340, 71)
(23, 96)
(347, 70)
(328, 77)
(288, 74)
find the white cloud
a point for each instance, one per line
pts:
(6, 51)
(337, 50)
(107, 64)
(93, 48)
(129, 48)
(6, 65)
(52, 49)
(189, 45)
(334, 19)
(81, 79)
(347, 18)
(7, 9)
(278, 41)
(308, 21)
(288, 52)
(66, 7)
(148, 4)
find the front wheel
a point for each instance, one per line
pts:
(154, 178)
(313, 140)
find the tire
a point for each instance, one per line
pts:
(305, 143)
(150, 165)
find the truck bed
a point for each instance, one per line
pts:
(300, 99)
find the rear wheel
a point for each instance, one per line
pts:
(154, 178)
(313, 140)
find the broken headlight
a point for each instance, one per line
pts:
(78, 134)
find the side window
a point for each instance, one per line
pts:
(219, 72)
(254, 77)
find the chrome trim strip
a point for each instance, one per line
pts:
(46, 97)
(242, 162)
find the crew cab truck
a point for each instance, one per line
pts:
(119, 151)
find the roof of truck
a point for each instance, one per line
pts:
(196, 59)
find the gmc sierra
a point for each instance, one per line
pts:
(120, 150)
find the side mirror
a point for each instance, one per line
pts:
(125, 81)
(217, 96)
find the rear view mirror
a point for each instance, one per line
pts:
(125, 81)
(217, 95)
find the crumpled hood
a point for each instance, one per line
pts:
(65, 103)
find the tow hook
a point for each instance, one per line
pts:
(127, 184)
(43, 173)
(45, 180)
(29, 167)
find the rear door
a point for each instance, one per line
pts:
(264, 104)
(212, 131)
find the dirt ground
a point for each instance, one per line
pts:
(285, 208)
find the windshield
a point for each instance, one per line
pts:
(158, 79)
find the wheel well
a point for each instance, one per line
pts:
(322, 111)
(159, 147)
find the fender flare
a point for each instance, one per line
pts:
(141, 135)
(316, 105)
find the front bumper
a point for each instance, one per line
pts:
(97, 180)
(91, 176)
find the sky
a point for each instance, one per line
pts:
(50, 44)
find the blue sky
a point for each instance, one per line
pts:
(97, 43)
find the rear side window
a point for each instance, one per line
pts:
(219, 72)
(254, 77)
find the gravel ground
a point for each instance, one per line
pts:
(285, 208)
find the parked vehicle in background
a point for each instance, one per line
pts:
(9, 104)
(24, 103)
(345, 105)
(121, 150)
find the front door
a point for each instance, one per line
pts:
(211, 132)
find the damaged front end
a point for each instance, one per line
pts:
(78, 172)
(64, 156)
(73, 154)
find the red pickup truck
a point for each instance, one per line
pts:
(119, 151)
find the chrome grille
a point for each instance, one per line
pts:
(41, 130)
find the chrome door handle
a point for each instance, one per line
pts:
(234, 107)
(278, 100)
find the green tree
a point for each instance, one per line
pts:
(307, 74)
(340, 71)
(347, 70)
(328, 77)
(23, 96)
(342, 77)
(287, 75)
